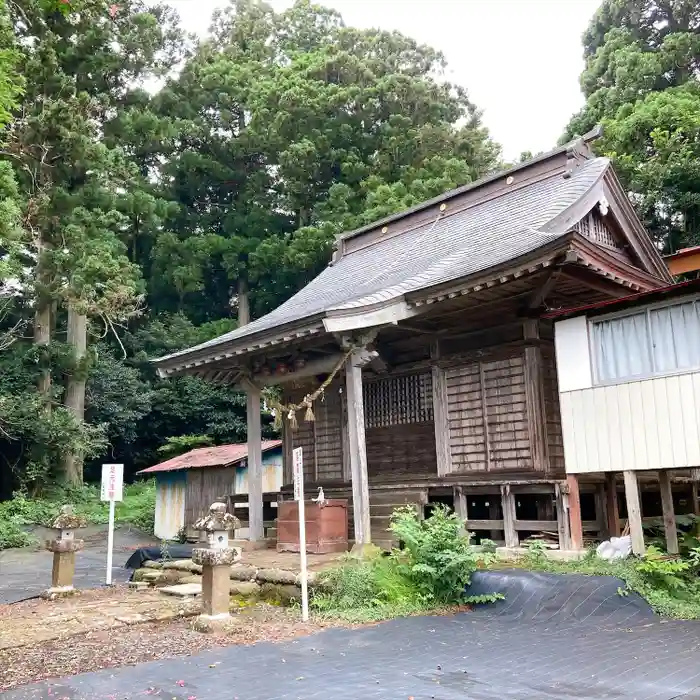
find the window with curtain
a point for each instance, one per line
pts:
(659, 340)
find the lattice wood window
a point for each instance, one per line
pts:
(398, 400)
(592, 226)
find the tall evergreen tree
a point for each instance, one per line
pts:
(79, 65)
(641, 83)
(293, 127)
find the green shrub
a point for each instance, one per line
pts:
(12, 534)
(431, 571)
(669, 584)
(436, 557)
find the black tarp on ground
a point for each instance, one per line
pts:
(554, 637)
(175, 551)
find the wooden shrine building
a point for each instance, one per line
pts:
(444, 385)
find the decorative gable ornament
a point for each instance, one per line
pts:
(603, 205)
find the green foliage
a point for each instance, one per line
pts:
(436, 557)
(151, 212)
(669, 584)
(641, 84)
(432, 571)
(19, 513)
(183, 443)
(298, 126)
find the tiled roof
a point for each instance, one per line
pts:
(202, 457)
(452, 246)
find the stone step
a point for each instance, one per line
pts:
(183, 590)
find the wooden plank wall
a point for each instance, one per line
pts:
(321, 438)
(488, 418)
(204, 486)
(399, 426)
(555, 439)
(329, 442)
(399, 450)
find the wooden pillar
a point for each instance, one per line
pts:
(358, 450)
(575, 524)
(668, 513)
(256, 531)
(441, 421)
(494, 514)
(534, 397)
(601, 511)
(634, 511)
(460, 501)
(287, 447)
(562, 499)
(613, 510)
(694, 503)
(508, 502)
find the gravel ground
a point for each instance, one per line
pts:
(124, 646)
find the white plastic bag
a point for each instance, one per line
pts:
(615, 548)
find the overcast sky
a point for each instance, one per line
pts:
(519, 59)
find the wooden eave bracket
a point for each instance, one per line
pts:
(219, 355)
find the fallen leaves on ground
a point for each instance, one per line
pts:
(128, 645)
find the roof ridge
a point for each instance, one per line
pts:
(580, 141)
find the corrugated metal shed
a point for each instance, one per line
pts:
(220, 456)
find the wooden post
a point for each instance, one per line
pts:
(256, 531)
(668, 513)
(562, 517)
(358, 450)
(441, 421)
(612, 505)
(494, 514)
(460, 501)
(601, 511)
(508, 501)
(287, 447)
(534, 398)
(575, 525)
(345, 435)
(634, 511)
(694, 502)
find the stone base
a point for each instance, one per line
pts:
(59, 592)
(214, 623)
(139, 585)
(365, 551)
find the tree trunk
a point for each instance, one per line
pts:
(75, 390)
(42, 336)
(243, 302)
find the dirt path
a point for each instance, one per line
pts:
(25, 573)
(106, 628)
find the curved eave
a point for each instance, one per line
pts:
(198, 360)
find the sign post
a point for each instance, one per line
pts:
(298, 462)
(112, 490)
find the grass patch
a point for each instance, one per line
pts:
(137, 509)
(670, 585)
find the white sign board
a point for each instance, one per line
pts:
(298, 473)
(112, 482)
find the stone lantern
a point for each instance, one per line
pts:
(216, 560)
(64, 546)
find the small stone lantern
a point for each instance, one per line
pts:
(64, 546)
(216, 560)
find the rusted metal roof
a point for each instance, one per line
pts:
(609, 305)
(203, 457)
